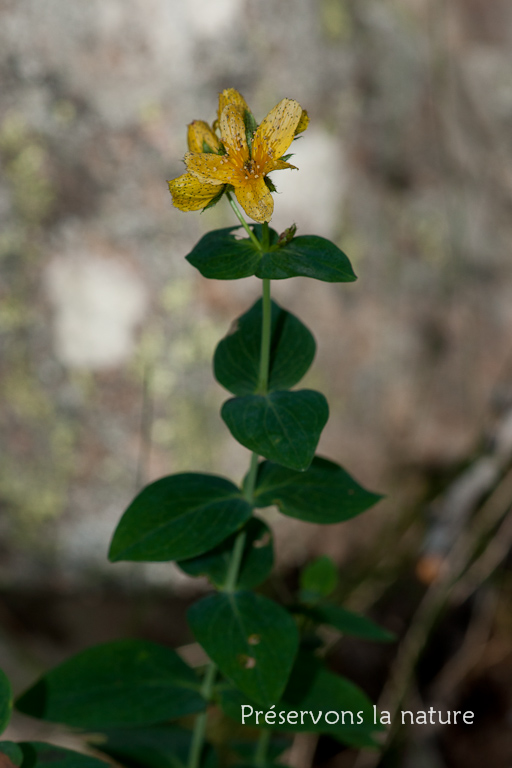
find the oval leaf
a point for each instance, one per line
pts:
(220, 255)
(325, 493)
(318, 579)
(252, 640)
(307, 256)
(223, 256)
(257, 558)
(5, 701)
(237, 357)
(157, 746)
(126, 682)
(38, 754)
(278, 743)
(346, 621)
(314, 691)
(179, 516)
(12, 751)
(284, 427)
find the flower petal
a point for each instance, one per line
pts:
(232, 130)
(230, 97)
(212, 169)
(199, 133)
(303, 122)
(276, 132)
(190, 194)
(281, 165)
(256, 200)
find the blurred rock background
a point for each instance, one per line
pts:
(107, 334)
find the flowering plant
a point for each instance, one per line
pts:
(241, 159)
(265, 662)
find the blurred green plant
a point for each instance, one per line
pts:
(32, 491)
(267, 666)
(24, 160)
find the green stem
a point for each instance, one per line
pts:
(196, 745)
(262, 377)
(260, 755)
(265, 240)
(236, 557)
(243, 222)
(236, 561)
(265, 339)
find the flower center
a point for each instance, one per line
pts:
(245, 170)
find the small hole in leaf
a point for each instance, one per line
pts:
(262, 542)
(254, 639)
(247, 662)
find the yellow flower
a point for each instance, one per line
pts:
(242, 158)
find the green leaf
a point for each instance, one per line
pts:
(283, 426)
(346, 621)
(319, 578)
(179, 516)
(159, 746)
(38, 754)
(251, 639)
(5, 701)
(222, 256)
(13, 752)
(237, 357)
(207, 149)
(307, 256)
(213, 202)
(257, 559)
(312, 689)
(324, 494)
(219, 255)
(269, 184)
(277, 745)
(249, 763)
(250, 127)
(126, 682)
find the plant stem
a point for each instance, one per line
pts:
(236, 560)
(243, 222)
(260, 755)
(236, 556)
(265, 339)
(196, 744)
(265, 240)
(262, 378)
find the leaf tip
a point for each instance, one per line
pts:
(114, 555)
